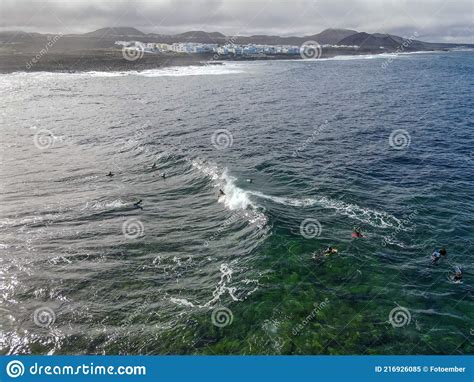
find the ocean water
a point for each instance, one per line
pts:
(303, 150)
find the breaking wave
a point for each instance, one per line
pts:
(369, 216)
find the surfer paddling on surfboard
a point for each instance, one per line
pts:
(457, 277)
(330, 251)
(357, 233)
(436, 255)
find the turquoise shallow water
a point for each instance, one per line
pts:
(303, 150)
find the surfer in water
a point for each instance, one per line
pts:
(436, 256)
(110, 174)
(457, 278)
(221, 193)
(163, 175)
(330, 251)
(154, 166)
(138, 204)
(356, 232)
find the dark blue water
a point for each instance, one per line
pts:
(303, 151)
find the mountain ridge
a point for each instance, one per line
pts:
(104, 38)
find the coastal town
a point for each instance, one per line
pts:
(230, 49)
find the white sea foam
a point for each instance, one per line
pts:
(30, 220)
(390, 240)
(175, 71)
(221, 288)
(182, 302)
(172, 71)
(374, 218)
(105, 205)
(235, 198)
(361, 57)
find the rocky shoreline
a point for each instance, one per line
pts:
(110, 60)
(84, 61)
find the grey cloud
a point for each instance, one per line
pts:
(432, 20)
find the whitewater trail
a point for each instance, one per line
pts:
(172, 71)
(105, 205)
(378, 219)
(221, 288)
(235, 198)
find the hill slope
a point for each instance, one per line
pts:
(115, 31)
(332, 36)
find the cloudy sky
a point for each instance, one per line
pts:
(433, 20)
